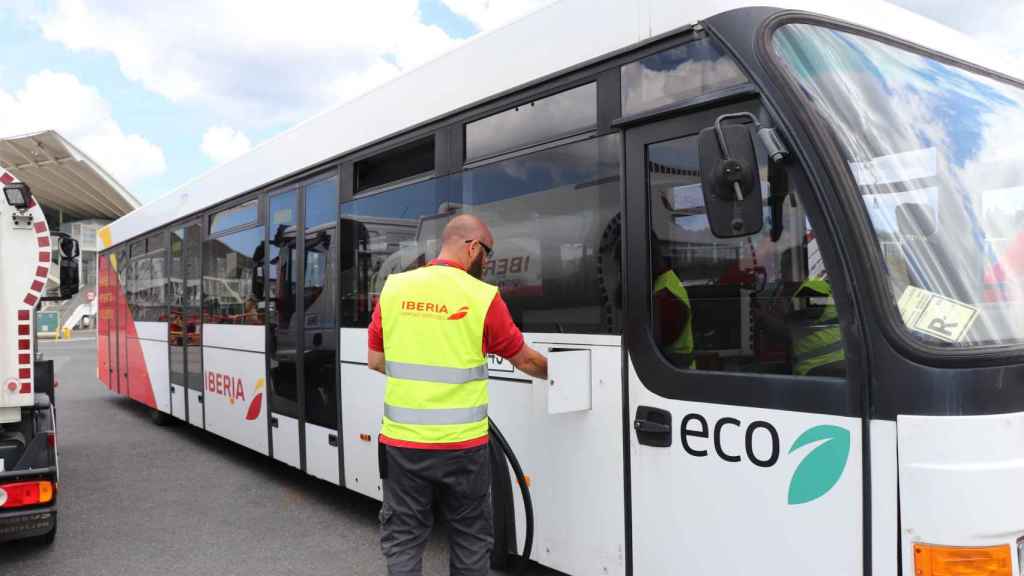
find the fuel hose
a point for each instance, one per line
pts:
(524, 560)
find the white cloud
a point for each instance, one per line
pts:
(994, 23)
(223, 143)
(59, 101)
(254, 64)
(490, 14)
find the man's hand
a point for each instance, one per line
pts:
(530, 361)
(375, 361)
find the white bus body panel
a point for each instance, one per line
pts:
(705, 515)
(178, 401)
(151, 331)
(321, 457)
(884, 499)
(235, 398)
(285, 437)
(235, 337)
(155, 354)
(195, 408)
(980, 460)
(362, 409)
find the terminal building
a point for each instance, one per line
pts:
(78, 197)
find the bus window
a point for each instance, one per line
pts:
(749, 304)
(562, 114)
(555, 216)
(390, 231)
(232, 278)
(676, 74)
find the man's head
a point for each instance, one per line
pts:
(468, 241)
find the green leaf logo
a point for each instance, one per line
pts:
(823, 466)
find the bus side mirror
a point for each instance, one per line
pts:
(732, 188)
(69, 251)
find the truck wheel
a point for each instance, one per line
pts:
(159, 418)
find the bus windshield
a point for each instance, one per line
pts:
(937, 152)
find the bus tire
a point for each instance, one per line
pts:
(159, 418)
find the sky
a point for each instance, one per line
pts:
(159, 92)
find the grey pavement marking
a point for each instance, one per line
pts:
(140, 500)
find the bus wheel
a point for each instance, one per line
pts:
(159, 418)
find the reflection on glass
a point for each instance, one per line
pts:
(392, 231)
(736, 304)
(233, 217)
(321, 390)
(232, 278)
(937, 156)
(318, 302)
(321, 203)
(555, 216)
(281, 254)
(677, 74)
(534, 122)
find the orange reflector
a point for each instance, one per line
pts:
(529, 482)
(364, 437)
(21, 494)
(961, 560)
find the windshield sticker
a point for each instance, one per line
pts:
(902, 167)
(936, 315)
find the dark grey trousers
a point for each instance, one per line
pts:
(462, 481)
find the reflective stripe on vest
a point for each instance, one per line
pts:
(429, 373)
(435, 416)
(433, 321)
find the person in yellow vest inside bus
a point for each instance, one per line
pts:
(673, 326)
(430, 334)
(817, 340)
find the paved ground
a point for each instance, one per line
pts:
(137, 499)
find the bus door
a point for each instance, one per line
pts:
(105, 343)
(745, 436)
(123, 316)
(184, 326)
(301, 329)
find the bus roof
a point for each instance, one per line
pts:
(493, 63)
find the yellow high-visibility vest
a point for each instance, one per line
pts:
(669, 281)
(818, 344)
(433, 325)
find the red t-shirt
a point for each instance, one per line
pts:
(501, 335)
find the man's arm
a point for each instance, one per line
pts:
(375, 360)
(530, 361)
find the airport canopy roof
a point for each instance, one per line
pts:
(62, 177)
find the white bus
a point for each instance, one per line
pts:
(850, 241)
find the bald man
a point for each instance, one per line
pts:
(430, 334)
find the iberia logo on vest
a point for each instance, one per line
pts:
(234, 390)
(431, 310)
